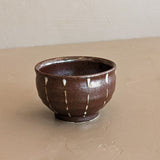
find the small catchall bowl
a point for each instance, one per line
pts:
(75, 88)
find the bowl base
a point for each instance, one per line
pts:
(77, 119)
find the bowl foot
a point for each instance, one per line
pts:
(77, 119)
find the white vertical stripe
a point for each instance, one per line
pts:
(107, 80)
(86, 107)
(65, 97)
(69, 114)
(88, 99)
(107, 92)
(46, 80)
(64, 82)
(88, 81)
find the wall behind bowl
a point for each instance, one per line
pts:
(45, 22)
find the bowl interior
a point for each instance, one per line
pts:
(75, 66)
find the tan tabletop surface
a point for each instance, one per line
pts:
(127, 129)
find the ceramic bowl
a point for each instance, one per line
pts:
(75, 88)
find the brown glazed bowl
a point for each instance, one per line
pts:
(75, 88)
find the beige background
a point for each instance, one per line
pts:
(128, 127)
(41, 22)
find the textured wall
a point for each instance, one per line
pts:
(42, 22)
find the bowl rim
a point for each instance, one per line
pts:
(74, 58)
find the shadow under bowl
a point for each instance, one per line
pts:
(75, 88)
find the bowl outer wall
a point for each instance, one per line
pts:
(76, 96)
